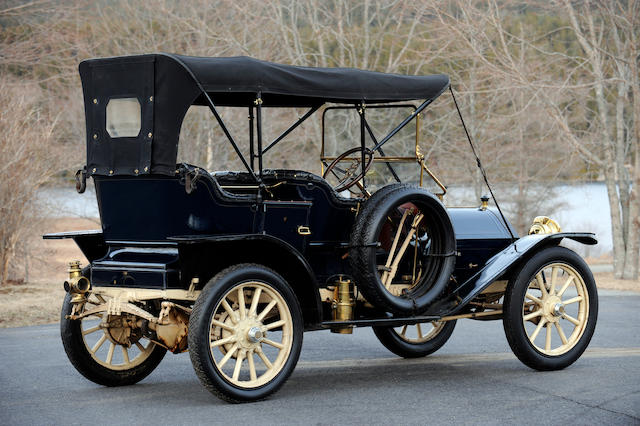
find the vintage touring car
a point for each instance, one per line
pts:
(234, 266)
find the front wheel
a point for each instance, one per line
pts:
(245, 333)
(550, 309)
(415, 341)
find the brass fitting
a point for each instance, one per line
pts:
(343, 304)
(77, 285)
(544, 225)
(485, 202)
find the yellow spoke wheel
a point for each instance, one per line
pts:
(120, 346)
(415, 340)
(109, 351)
(253, 343)
(420, 333)
(557, 318)
(550, 309)
(402, 249)
(245, 333)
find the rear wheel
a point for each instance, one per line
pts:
(550, 309)
(115, 355)
(245, 333)
(415, 341)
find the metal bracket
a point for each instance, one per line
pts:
(304, 230)
(81, 180)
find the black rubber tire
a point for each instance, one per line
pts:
(362, 254)
(199, 332)
(81, 359)
(391, 340)
(513, 305)
(357, 232)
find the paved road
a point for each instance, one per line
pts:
(342, 379)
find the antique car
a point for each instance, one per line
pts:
(235, 266)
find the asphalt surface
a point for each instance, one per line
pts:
(342, 379)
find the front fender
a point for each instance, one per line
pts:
(502, 262)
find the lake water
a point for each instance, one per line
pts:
(581, 207)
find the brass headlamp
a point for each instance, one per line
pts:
(544, 225)
(77, 285)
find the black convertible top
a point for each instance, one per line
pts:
(167, 85)
(343, 85)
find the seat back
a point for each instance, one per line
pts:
(154, 207)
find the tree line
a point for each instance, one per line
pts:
(550, 90)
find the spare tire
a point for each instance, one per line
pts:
(402, 249)
(365, 209)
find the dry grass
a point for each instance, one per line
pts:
(605, 280)
(39, 301)
(30, 304)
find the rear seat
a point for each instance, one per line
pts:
(273, 176)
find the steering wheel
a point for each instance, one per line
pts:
(349, 176)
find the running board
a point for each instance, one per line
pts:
(384, 322)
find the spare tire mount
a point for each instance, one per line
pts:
(403, 249)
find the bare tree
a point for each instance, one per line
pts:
(27, 149)
(558, 81)
(608, 33)
(527, 74)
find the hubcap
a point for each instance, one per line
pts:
(551, 304)
(558, 310)
(255, 335)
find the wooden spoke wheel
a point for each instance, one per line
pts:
(109, 351)
(419, 333)
(245, 333)
(551, 309)
(417, 340)
(405, 239)
(403, 249)
(555, 301)
(256, 333)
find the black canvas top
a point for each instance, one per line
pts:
(167, 85)
(343, 85)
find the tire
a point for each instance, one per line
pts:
(94, 366)
(407, 346)
(536, 299)
(385, 215)
(219, 330)
(357, 233)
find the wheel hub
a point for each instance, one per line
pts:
(122, 330)
(553, 308)
(249, 333)
(255, 335)
(558, 310)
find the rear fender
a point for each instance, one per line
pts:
(502, 264)
(91, 243)
(204, 256)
